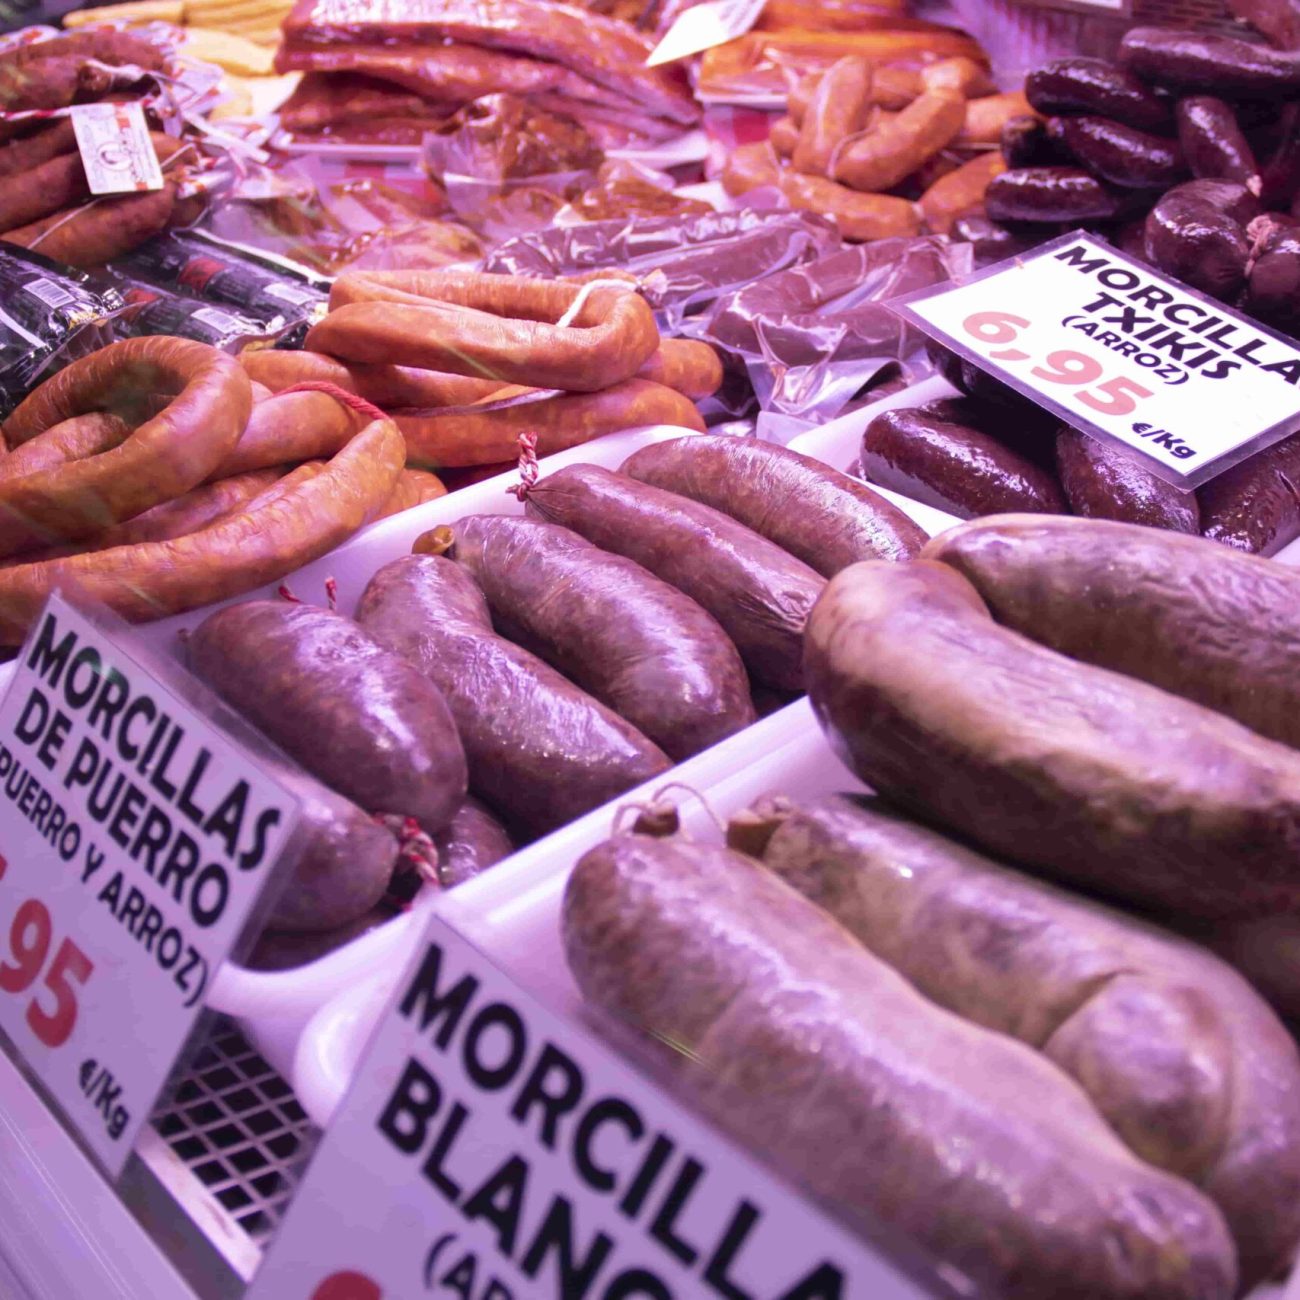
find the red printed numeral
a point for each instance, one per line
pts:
(30, 934)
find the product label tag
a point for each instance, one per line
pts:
(116, 150)
(704, 26)
(490, 1148)
(135, 837)
(1124, 353)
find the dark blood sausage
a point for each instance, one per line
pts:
(1204, 622)
(1196, 241)
(1178, 1053)
(793, 1037)
(953, 467)
(353, 714)
(1051, 194)
(540, 750)
(1084, 85)
(346, 864)
(469, 844)
(759, 593)
(1025, 142)
(1151, 800)
(1255, 506)
(1217, 65)
(634, 642)
(1213, 142)
(976, 382)
(1119, 153)
(990, 241)
(1106, 482)
(819, 515)
(286, 949)
(1273, 286)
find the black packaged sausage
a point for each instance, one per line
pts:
(152, 310)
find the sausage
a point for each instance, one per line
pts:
(1204, 622)
(822, 517)
(51, 186)
(1217, 65)
(101, 231)
(1179, 1054)
(959, 191)
(510, 331)
(839, 108)
(1255, 505)
(415, 487)
(1273, 285)
(958, 76)
(635, 643)
(540, 750)
(70, 440)
(1190, 238)
(345, 865)
(1041, 194)
(469, 844)
(289, 427)
(860, 217)
(103, 44)
(1026, 142)
(21, 156)
(304, 515)
(986, 118)
(895, 149)
(784, 136)
(1120, 154)
(1085, 85)
(691, 368)
(1106, 482)
(1152, 800)
(953, 466)
(789, 1034)
(289, 949)
(1214, 144)
(989, 240)
(163, 458)
(355, 715)
(455, 479)
(759, 593)
(487, 433)
(385, 386)
(750, 167)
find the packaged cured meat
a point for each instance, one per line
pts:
(151, 309)
(49, 315)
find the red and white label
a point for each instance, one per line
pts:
(135, 837)
(115, 148)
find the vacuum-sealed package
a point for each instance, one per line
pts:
(49, 315)
(151, 309)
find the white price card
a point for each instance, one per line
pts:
(1124, 353)
(115, 148)
(135, 837)
(703, 26)
(490, 1149)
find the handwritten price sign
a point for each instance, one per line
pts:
(1123, 353)
(136, 837)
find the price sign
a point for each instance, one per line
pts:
(703, 26)
(1123, 353)
(490, 1149)
(134, 840)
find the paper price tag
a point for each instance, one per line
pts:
(134, 840)
(1124, 353)
(115, 148)
(489, 1149)
(704, 26)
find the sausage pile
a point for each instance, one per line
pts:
(1191, 139)
(861, 142)
(45, 202)
(991, 452)
(146, 476)
(465, 362)
(544, 664)
(860, 986)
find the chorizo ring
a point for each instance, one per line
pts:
(165, 456)
(75, 439)
(302, 517)
(102, 230)
(490, 326)
(289, 427)
(489, 433)
(691, 368)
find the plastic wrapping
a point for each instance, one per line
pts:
(151, 309)
(812, 336)
(50, 315)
